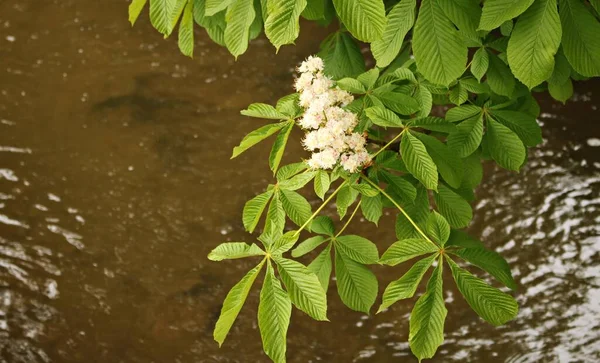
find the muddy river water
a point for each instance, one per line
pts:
(115, 183)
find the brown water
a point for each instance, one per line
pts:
(115, 183)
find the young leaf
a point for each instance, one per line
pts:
(440, 53)
(427, 318)
(580, 41)
(496, 12)
(365, 19)
(372, 208)
(186, 31)
(233, 250)
(308, 245)
(381, 116)
(233, 304)
(304, 288)
(504, 146)
(321, 266)
(274, 314)
(522, 124)
(356, 284)
(283, 23)
(257, 136)
(279, 146)
(468, 135)
(491, 304)
(407, 249)
(406, 286)
(418, 161)
(322, 183)
(262, 110)
(534, 42)
(438, 228)
(323, 225)
(135, 8)
(253, 209)
(453, 207)
(399, 21)
(295, 206)
(446, 159)
(357, 248)
(480, 63)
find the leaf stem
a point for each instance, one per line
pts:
(400, 209)
(388, 144)
(320, 208)
(349, 219)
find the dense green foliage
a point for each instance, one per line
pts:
(482, 58)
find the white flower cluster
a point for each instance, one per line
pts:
(329, 127)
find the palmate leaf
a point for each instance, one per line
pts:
(215, 6)
(580, 41)
(342, 56)
(365, 19)
(418, 212)
(257, 136)
(433, 123)
(406, 286)
(356, 284)
(504, 146)
(480, 63)
(345, 197)
(464, 14)
(315, 10)
(468, 135)
(425, 99)
(522, 124)
(427, 318)
(357, 248)
(274, 314)
(233, 304)
(448, 163)
(298, 181)
(489, 261)
(496, 12)
(284, 243)
(288, 105)
(399, 21)
(160, 15)
(499, 77)
(461, 113)
(304, 288)
(282, 26)
(491, 304)
(407, 249)
(534, 42)
(372, 208)
(275, 221)
(439, 51)
(438, 228)
(286, 172)
(561, 91)
(369, 78)
(296, 206)
(135, 8)
(418, 161)
(279, 146)
(399, 102)
(351, 85)
(234, 250)
(322, 267)
(308, 245)
(186, 31)
(321, 183)
(381, 116)
(323, 225)
(176, 13)
(453, 207)
(262, 110)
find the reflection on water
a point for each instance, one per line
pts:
(115, 183)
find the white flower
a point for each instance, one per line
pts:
(355, 141)
(312, 65)
(325, 159)
(304, 81)
(311, 120)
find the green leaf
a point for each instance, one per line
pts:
(489, 261)
(400, 185)
(453, 207)
(372, 208)
(342, 56)
(448, 162)
(427, 318)
(418, 161)
(473, 171)
(369, 77)
(160, 15)
(308, 245)
(458, 95)
(433, 123)
(322, 267)
(522, 124)
(176, 13)
(356, 284)
(284, 243)
(406, 286)
(279, 146)
(239, 18)
(381, 116)
(491, 304)
(499, 77)
(480, 64)
(365, 189)
(322, 183)
(351, 85)
(135, 8)
(399, 102)
(399, 21)
(323, 225)
(464, 14)
(461, 113)
(345, 197)
(233, 304)
(274, 314)
(561, 91)
(365, 19)
(496, 12)
(506, 28)
(580, 41)
(473, 86)
(257, 136)
(186, 31)
(468, 135)
(289, 170)
(315, 10)
(298, 181)
(504, 145)
(288, 105)
(295, 206)
(262, 110)
(439, 51)
(304, 288)
(215, 6)
(407, 249)
(234, 250)
(215, 28)
(534, 42)
(438, 228)
(425, 99)
(283, 23)
(253, 209)
(418, 211)
(275, 221)
(357, 248)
